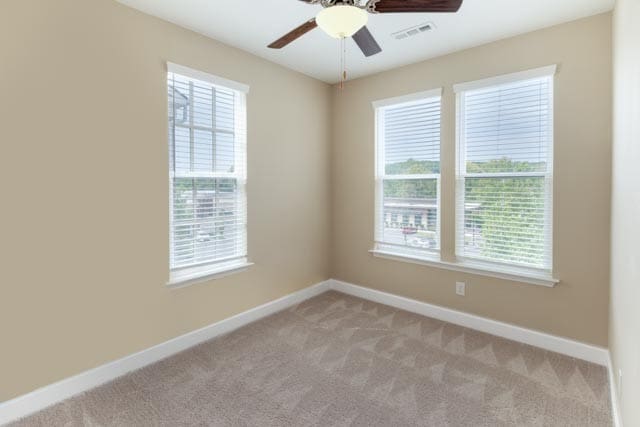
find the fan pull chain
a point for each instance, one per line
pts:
(343, 62)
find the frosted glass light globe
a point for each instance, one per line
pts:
(341, 21)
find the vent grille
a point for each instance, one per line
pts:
(414, 31)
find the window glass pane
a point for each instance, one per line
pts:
(183, 199)
(225, 152)
(202, 150)
(181, 154)
(412, 138)
(196, 146)
(410, 211)
(183, 221)
(504, 219)
(507, 128)
(179, 105)
(205, 220)
(202, 105)
(225, 110)
(227, 206)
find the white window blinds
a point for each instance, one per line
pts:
(408, 175)
(207, 170)
(504, 172)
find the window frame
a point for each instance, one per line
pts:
(218, 266)
(380, 177)
(546, 271)
(448, 260)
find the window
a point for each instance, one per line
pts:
(408, 174)
(505, 169)
(207, 170)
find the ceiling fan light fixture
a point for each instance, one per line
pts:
(341, 21)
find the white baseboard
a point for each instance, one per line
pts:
(554, 343)
(41, 398)
(46, 396)
(579, 350)
(615, 403)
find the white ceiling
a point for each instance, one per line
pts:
(252, 24)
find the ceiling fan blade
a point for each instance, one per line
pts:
(397, 6)
(366, 42)
(294, 34)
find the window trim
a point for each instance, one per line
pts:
(529, 276)
(210, 270)
(379, 175)
(549, 70)
(206, 77)
(191, 275)
(522, 271)
(416, 96)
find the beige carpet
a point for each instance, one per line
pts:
(337, 360)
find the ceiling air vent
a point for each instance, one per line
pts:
(414, 31)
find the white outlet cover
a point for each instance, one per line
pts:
(619, 382)
(460, 288)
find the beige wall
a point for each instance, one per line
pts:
(84, 179)
(84, 182)
(624, 335)
(578, 307)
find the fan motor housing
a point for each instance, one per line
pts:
(330, 3)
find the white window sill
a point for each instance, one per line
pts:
(480, 269)
(180, 279)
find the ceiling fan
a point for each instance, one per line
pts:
(348, 18)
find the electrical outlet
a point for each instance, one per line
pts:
(619, 382)
(460, 288)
